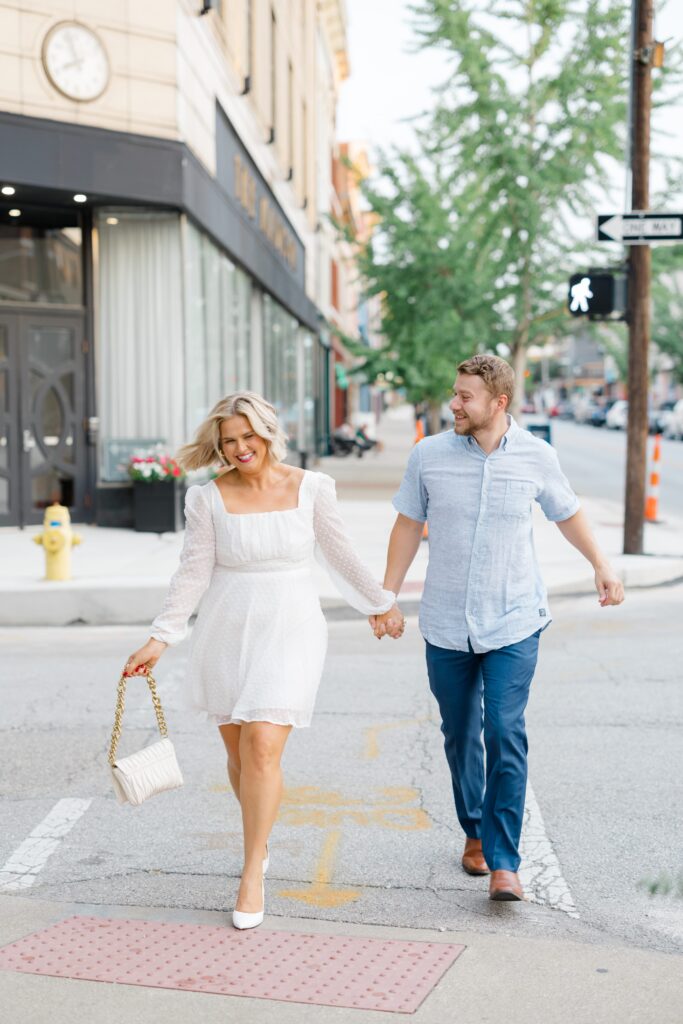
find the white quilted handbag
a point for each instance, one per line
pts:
(151, 770)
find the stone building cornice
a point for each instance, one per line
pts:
(333, 17)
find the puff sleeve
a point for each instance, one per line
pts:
(193, 575)
(334, 551)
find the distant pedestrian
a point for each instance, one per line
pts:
(484, 605)
(421, 410)
(260, 639)
(363, 439)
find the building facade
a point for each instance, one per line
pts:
(352, 314)
(162, 168)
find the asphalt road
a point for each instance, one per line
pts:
(594, 459)
(367, 831)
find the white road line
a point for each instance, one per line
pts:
(540, 871)
(24, 865)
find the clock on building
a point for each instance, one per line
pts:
(75, 61)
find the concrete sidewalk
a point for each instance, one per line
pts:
(120, 577)
(498, 977)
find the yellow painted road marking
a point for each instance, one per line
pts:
(320, 894)
(372, 733)
(387, 796)
(386, 808)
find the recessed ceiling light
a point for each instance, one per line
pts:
(112, 220)
(80, 198)
(15, 213)
(8, 190)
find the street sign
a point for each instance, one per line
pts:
(598, 294)
(640, 227)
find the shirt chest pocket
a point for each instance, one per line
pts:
(517, 498)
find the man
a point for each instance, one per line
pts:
(484, 605)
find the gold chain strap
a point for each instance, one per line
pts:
(118, 713)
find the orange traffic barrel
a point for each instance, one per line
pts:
(652, 500)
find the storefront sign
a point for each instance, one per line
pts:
(245, 186)
(270, 221)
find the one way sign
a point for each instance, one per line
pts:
(640, 227)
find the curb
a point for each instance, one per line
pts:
(127, 601)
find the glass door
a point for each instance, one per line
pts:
(42, 400)
(53, 438)
(9, 423)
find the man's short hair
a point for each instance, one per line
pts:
(497, 375)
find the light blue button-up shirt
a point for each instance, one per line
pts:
(483, 579)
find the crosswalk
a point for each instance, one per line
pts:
(29, 859)
(540, 872)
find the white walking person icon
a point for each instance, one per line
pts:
(581, 293)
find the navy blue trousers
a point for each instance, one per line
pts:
(486, 692)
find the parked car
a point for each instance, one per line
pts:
(599, 415)
(584, 413)
(583, 407)
(658, 419)
(674, 426)
(562, 410)
(617, 416)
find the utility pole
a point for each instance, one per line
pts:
(639, 279)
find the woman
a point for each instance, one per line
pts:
(260, 638)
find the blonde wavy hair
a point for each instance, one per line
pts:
(205, 448)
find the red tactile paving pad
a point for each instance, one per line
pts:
(328, 970)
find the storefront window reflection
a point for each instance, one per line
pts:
(309, 347)
(218, 325)
(40, 265)
(140, 334)
(280, 335)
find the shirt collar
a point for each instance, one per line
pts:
(509, 435)
(511, 432)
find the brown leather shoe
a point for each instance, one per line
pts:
(473, 859)
(505, 885)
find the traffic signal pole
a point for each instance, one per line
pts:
(639, 281)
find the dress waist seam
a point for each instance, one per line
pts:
(302, 569)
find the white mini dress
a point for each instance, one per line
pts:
(260, 638)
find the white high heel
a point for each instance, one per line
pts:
(243, 921)
(266, 860)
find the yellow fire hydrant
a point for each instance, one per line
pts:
(57, 539)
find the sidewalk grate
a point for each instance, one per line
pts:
(326, 970)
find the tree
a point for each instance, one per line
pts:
(430, 261)
(667, 298)
(510, 162)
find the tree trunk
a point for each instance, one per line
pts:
(434, 418)
(519, 366)
(521, 340)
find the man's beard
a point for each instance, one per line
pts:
(469, 426)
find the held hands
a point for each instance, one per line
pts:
(608, 585)
(391, 623)
(144, 660)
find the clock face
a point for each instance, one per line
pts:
(75, 61)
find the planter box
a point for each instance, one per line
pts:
(159, 506)
(115, 506)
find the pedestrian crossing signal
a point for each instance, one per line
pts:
(598, 294)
